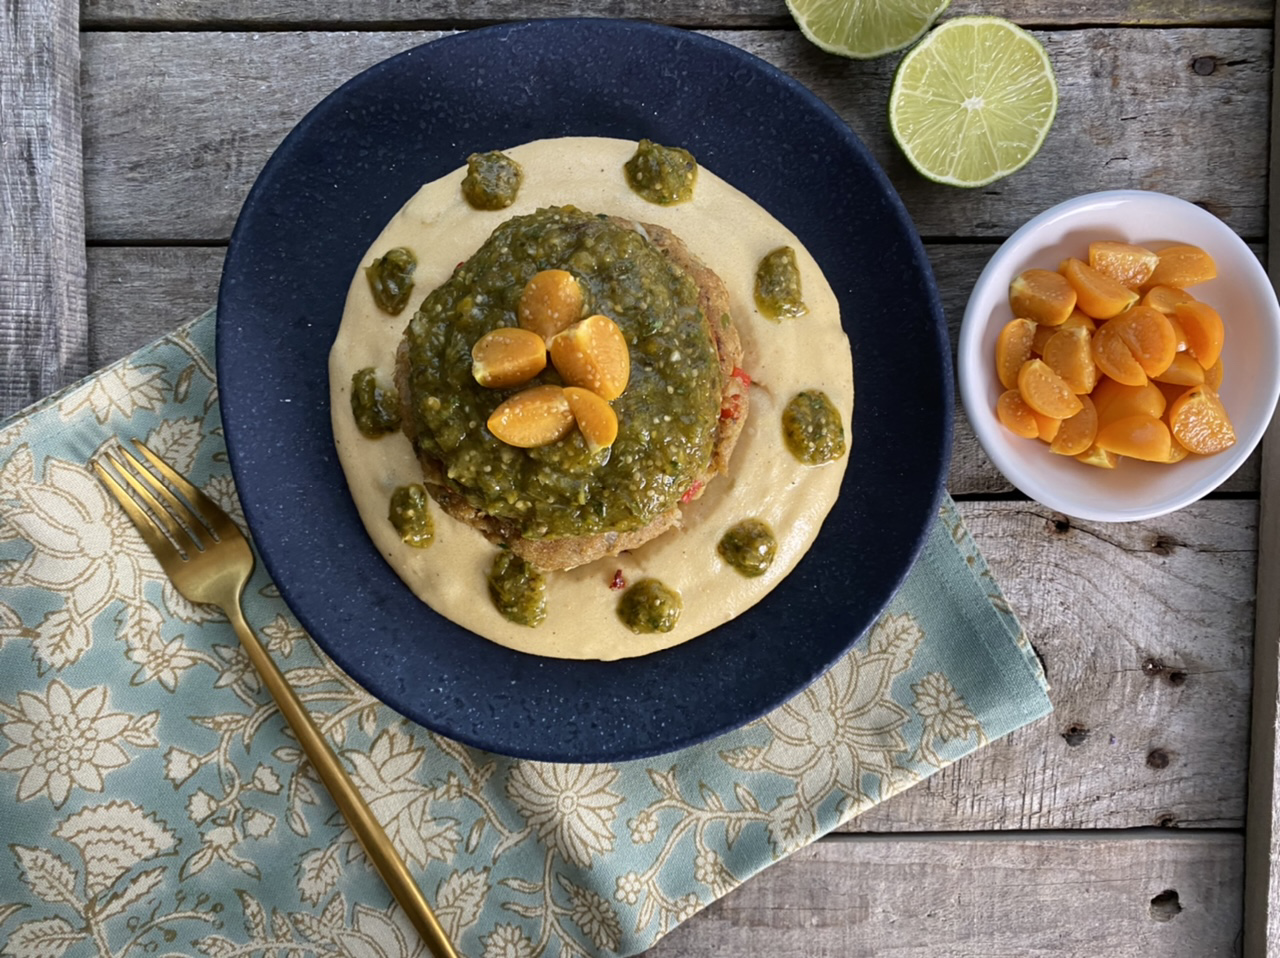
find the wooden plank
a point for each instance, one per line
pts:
(218, 104)
(137, 294)
(43, 322)
(1144, 631)
(1262, 852)
(183, 14)
(1031, 895)
(1262, 827)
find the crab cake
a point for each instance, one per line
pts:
(564, 504)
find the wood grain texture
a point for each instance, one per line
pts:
(1030, 896)
(1131, 101)
(137, 294)
(43, 322)
(1144, 629)
(1262, 828)
(180, 14)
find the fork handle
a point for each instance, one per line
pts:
(355, 810)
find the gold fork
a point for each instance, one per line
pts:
(203, 551)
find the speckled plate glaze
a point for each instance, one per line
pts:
(349, 166)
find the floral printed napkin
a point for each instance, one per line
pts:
(152, 801)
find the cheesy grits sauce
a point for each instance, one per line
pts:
(766, 482)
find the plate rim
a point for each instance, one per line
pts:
(938, 461)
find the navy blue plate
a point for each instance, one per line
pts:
(344, 171)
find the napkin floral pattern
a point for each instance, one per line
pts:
(152, 800)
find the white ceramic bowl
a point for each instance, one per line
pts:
(1242, 293)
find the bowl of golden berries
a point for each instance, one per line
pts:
(1119, 356)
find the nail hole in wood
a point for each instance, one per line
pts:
(1204, 66)
(1166, 821)
(1157, 758)
(1155, 668)
(1164, 545)
(1165, 906)
(1061, 524)
(1075, 735)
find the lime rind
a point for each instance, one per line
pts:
(864, 29)
(968, 61)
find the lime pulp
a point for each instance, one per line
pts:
(973, 101)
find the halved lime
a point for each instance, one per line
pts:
(973, 101)
(865, 28)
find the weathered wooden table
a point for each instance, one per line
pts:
(130, 131)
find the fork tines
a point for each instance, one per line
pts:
(151, 503)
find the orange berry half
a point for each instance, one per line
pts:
(1177, 452)
(1183, 371)
(1213, 375)
(1076, 434)
(532, 417)
(596, 419)
(1141, 437)
(592, 353)
(1095, 455)
(1041, 295)
(1127, 264)
(1204, 331)
(1149, 337)
(1097, 295)
(1114, 358)
(1045, 392)
(549, 302)
(1043, 333)
(1016, 415)
(1200, 422)
(507, 357)
(1164, 298)
(1182, 266)
(1069, 353)
(1118, 401)
(1046, 426)
(1013, 348)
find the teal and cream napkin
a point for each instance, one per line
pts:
(152, 802)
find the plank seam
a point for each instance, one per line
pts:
(1144, 834)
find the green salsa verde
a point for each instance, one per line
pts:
(391, 279)
(411, 517)
(376, 409)
(650, 606)
(749, 547)
(777, 290)
(518, 590)
(812, 429)
(664, 175)
(667, 416)
(492, 181)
